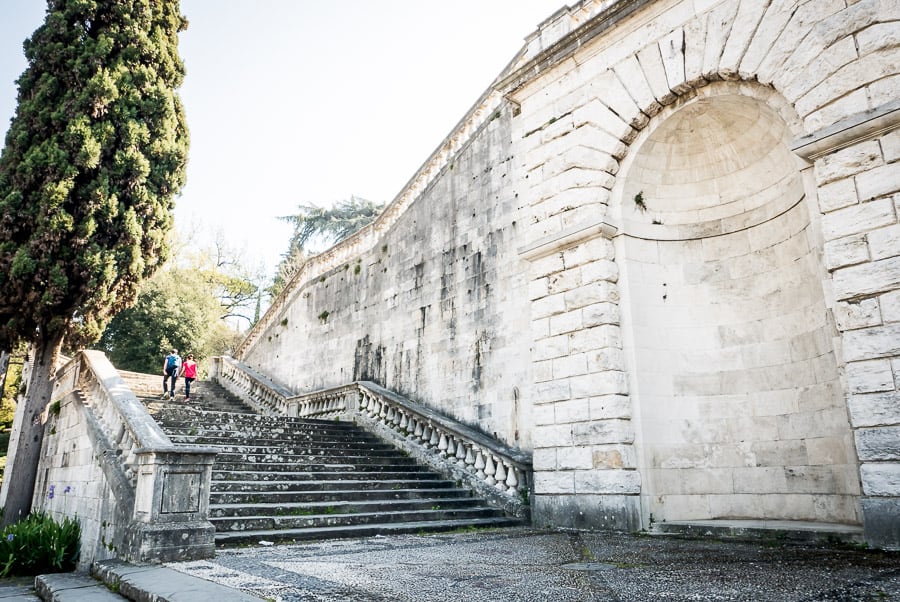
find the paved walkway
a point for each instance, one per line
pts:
(525, 565)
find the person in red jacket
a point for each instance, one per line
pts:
(189, 372)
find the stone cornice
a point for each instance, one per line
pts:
(568, 44)
(567, 238)
(847, 132)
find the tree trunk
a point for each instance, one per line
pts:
(4, 365)
(23, 472)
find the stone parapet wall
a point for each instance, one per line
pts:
(73, 484)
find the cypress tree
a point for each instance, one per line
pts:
(93, 159)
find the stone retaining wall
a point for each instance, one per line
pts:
(666, 260)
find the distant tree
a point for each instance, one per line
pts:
(314, 224)
(174, 309)
(191, 304)
(234, 283)
(93, 159)
(330, 225)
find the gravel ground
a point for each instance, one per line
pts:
(550, 566)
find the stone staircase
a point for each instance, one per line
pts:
(277, 478)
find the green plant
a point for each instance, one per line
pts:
(586, 553)
(639, 201)
(357, 269)
(323, 317)
(524, 496)
(38, 544)
(55, 407)
(284, 322)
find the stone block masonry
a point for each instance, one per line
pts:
(662, 253)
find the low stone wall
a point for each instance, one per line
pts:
(72, 482)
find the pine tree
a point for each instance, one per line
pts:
(94, 157)
(318, 224)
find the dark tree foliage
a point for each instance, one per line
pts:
(326, 226)
(93, 159)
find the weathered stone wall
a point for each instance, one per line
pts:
(859, 196)
(691, 306)
(721, 390)
(436, 311)
(72, 483)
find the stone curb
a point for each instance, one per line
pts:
(161, 584)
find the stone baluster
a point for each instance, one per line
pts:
(489, 470)
(435, 438)
(479, 464)
(500, 475)
(442, 445)
(404, 421)
(512, 481)
(398, 415)
(461, 452)
(451, 448)
(418, 430)
(470, 458)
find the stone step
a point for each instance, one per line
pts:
(281, 498)
(301, 456)
(346, 473)
(358, 484)
(348, 506)
(280, 478)
(338, 448)
(261, 437)
(240, 422)
(222, 424)
(356, 531)
(275, 522)
(314, 465)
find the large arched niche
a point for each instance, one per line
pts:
(738, 404)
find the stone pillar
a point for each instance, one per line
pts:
(585, 465)
(858, 178)
(171, 506)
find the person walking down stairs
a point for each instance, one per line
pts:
(171, 368)
(189, 372)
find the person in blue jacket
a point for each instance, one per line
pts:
(171, 367)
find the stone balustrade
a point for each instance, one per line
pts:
(497, 472)
(252, 387)
(160, 489)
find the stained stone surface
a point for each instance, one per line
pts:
(525, 565)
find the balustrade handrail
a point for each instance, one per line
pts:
(156, 505)
(94, 372)
(496, 470)
(520, 458)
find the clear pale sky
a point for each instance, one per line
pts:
(299, 101)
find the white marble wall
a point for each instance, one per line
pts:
(737, 358)
(735, 403)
